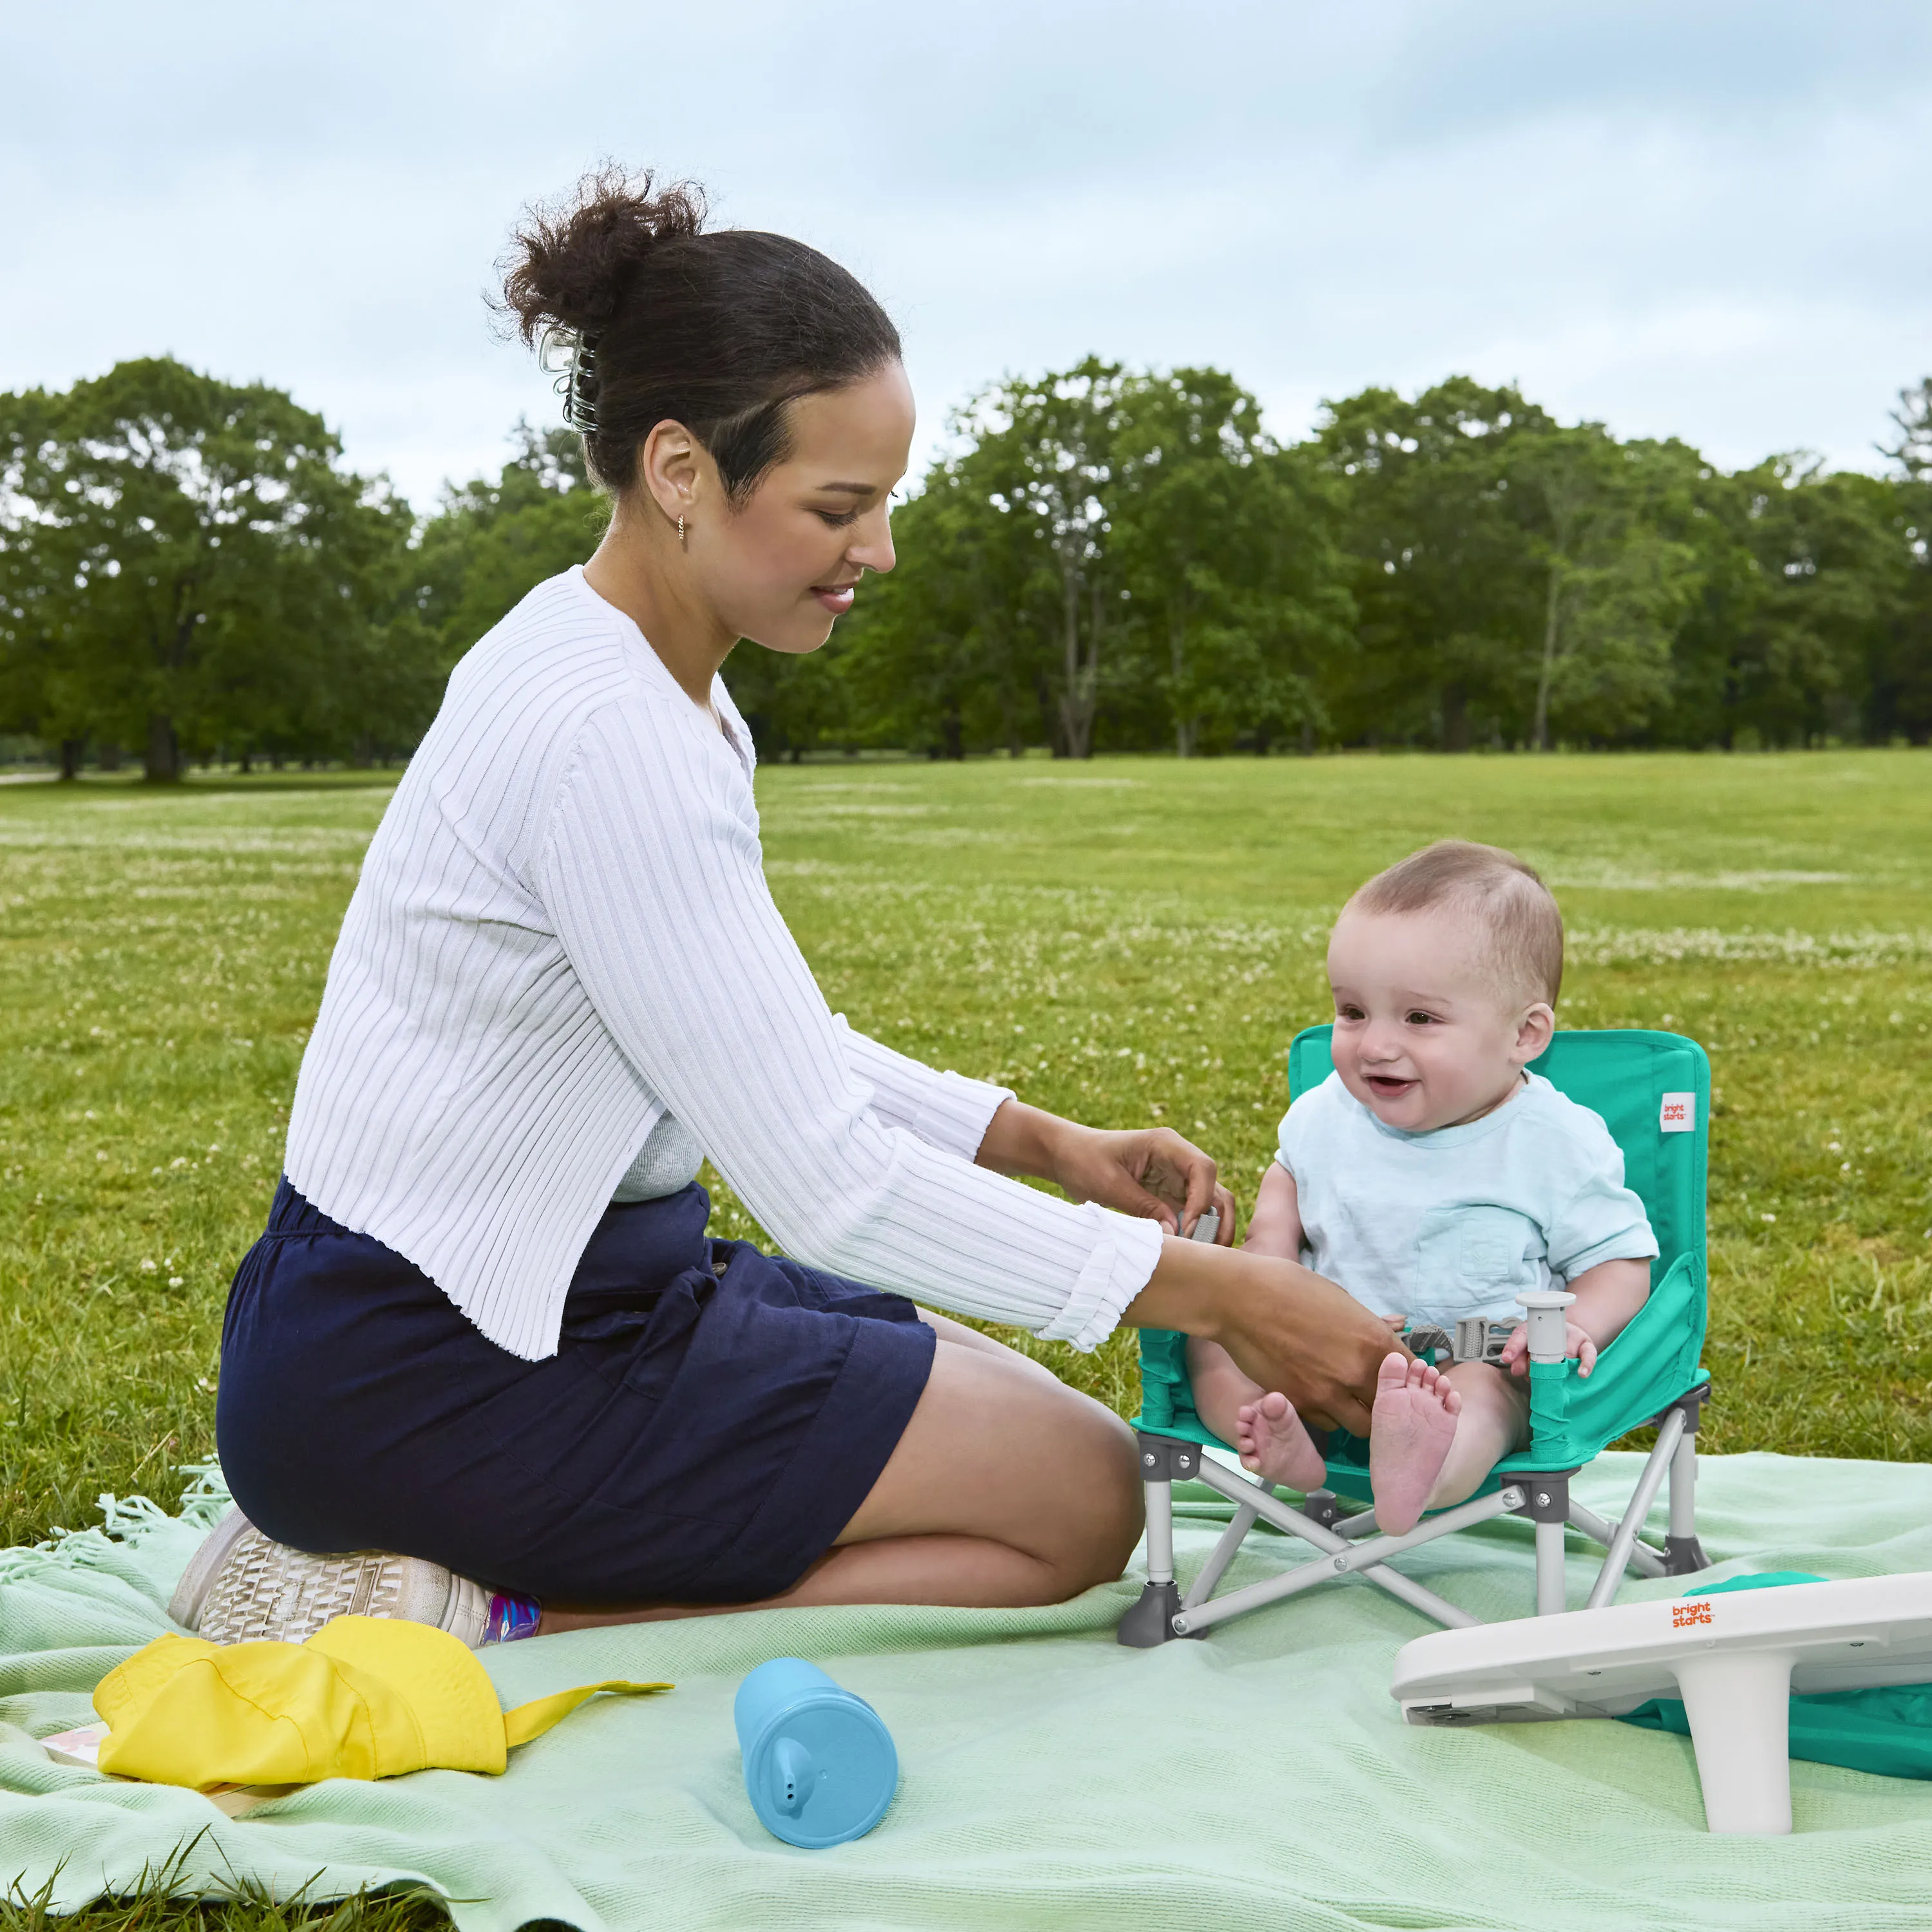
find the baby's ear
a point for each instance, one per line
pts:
(1533, 1031)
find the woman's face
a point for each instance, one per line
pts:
(784, 566)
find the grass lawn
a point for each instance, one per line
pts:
(1127, 940)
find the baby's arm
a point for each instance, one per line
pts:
(1275, 1226)
(1607, 1296)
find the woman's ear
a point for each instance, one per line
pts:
(672, 466)
(1534, 1032)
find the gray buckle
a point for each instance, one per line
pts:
(1474, 1339)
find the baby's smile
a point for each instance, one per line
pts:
(1387, 1087)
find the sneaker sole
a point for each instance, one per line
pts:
(240, 1587)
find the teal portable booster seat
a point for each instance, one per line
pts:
(1653, 1089)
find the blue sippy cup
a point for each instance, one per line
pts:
(819, 1768)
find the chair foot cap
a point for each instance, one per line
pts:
(1150, 1620)
(1683, 1556)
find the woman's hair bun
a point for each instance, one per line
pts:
(654, 319)
(571, 261)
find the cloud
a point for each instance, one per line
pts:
(1687, 221)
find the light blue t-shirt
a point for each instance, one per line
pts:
(1457, 1222)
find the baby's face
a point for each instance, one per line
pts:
(1425, 1036)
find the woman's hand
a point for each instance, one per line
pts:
(1151, 1171)
(1285, 1327)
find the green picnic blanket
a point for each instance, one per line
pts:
(1049, 1778)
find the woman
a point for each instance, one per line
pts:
(485, 1329)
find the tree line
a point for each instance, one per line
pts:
(1103, 559)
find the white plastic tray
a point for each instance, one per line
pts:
(1734, 1657)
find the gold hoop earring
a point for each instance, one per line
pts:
(680, 533)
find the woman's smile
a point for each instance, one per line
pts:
(837, 598)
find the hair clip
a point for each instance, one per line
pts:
(564, 354)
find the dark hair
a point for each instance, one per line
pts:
(1507, 897)
(721, 332)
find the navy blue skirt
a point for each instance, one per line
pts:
(713, 1419)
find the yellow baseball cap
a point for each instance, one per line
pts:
(364, 1697)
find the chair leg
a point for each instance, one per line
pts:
(1670, 1434)
(1683, 1554)
(1551, 1596)
(1150, 1620)
(1547, 1503)
(1223, 1553)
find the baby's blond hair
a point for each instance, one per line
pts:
(1512, 905)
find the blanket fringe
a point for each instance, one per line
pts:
(124, 1521)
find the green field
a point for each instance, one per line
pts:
(1121, 941)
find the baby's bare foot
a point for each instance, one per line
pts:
(1414, 1424)
(1274, 1444)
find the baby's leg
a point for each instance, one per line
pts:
(1492, 1424)
(1262, 1426)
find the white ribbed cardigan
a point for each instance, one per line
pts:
(562, 933)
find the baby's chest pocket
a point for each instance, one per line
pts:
(1479, 1250)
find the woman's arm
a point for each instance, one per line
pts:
(948, 1109)
(1285, 1326)
(652, 877)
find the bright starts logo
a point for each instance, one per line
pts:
(1678, 1115)
(1683, 1616)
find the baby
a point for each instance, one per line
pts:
(1432, 1175)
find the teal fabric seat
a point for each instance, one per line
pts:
(1653, 1089)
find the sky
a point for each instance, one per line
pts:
(1704, 220)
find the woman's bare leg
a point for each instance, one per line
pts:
(1007, 1488)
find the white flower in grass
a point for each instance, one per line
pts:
(1767, 1217)
(147, 1268)
(176, 1280)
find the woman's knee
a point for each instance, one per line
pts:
(993, 1450)
(1097, 1498)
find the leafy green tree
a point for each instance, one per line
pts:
(955, 649)
(492, 542)
(1447, 573)
(1913, 452)
(1901, 694)
(1044, 456)
(207, 572)
(1233, 585)
(1616, 584)
(40, 695)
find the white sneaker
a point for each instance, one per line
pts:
(240, 1588)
